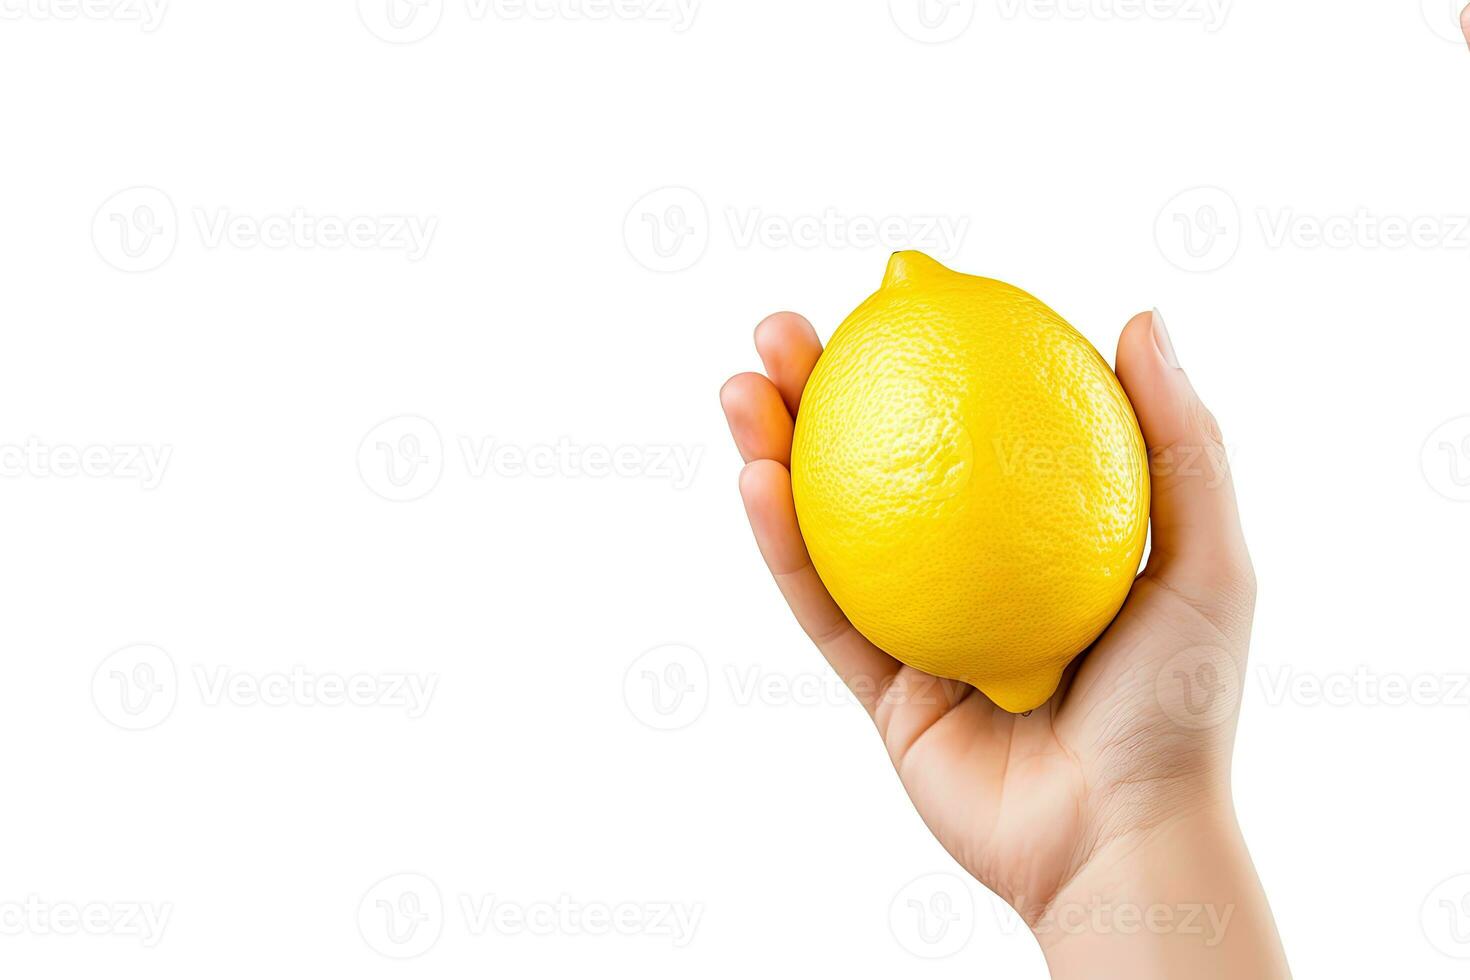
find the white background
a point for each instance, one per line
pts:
(532, 338)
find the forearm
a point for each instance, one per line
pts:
(1183, 902)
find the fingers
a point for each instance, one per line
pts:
(1465, 23)
(789, 349)
(765, 486)
(758, 418)
(1197, 541)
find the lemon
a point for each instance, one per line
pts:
(970, 481)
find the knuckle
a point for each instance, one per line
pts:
(1206, 424)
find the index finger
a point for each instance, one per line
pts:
(789, 348)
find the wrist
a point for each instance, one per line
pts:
(1181, 899)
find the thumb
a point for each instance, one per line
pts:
(1197, 543)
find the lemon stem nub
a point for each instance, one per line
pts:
(909, 267)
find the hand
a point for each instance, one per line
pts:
(1120, 783)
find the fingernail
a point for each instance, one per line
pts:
(1162, 341)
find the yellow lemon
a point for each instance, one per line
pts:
(970, 481)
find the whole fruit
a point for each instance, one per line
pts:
(970, 481)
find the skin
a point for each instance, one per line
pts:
(1112, 802)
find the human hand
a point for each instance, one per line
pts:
(1118, 789)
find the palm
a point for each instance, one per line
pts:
(1022, 802)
